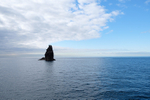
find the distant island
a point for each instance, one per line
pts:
(49, 54)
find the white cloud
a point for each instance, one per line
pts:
(37, 23)
(146, 31)
(121, 5)
(109, 32)
(123, 1)
(110, 4)
(147, 1)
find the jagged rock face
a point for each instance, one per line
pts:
(49, 55)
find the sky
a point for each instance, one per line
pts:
(80, 28)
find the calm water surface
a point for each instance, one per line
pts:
(75, 78)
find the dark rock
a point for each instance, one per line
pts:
(49, 54)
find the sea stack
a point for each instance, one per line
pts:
(49, 54)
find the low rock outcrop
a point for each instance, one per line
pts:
(49, 54)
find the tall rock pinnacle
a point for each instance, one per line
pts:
(49, 54)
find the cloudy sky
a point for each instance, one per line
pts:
(75, 27)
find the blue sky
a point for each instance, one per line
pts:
(75, 27)
(129, 32)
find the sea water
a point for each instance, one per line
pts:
(75, 78)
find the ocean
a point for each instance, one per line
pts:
(91, 78)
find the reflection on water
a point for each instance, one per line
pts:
(75, 78)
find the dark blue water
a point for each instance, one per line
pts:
(75, 78)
